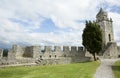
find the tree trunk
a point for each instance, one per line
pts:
(94, 56)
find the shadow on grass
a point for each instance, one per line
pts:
(116, 68)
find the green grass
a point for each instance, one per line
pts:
(78, 70)
(116, 69)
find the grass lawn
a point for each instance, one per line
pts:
(116, 69)
(78, 70)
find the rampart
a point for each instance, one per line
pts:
(49, 55)
(111, 50)
(1, 53)
(118, 47)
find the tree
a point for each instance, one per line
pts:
(92, 38)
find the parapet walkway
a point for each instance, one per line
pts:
(105, 69)
(24, 64)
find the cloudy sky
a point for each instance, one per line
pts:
(51, 22)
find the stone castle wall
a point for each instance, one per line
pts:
(31, 54)
(118, 47)
(1, 53)
(111, 50)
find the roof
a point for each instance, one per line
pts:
(101, 12)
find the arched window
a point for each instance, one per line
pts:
(109, 37)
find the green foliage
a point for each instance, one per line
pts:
(92, 38)
(116, 69)
(79, 70)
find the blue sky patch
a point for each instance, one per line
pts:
(80, 21)
(21, 22)
(115, 9)
(48, 26)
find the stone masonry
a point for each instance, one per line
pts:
(34, 54)
(110, 48)
(1, 53)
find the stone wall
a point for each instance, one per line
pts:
(111, 50)
(118, 51)
(12, 55)
(67, 55)
(1, 53)
(66, 60)
(29, 54)
(106, 27)
(81, 51)
(109, 47)
(58, 53)
(18, 50)
(36, 51)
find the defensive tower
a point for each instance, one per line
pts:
(106, 27)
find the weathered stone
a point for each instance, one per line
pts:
(57, 48)
(48, 48)
(1, 53)
(110, 48)
(36, 51)
(106, 27)
(73, 49)
(66, 49)
(80, 49)
(28, 52)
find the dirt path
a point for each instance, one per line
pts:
(105, 70)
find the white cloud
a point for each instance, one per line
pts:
(64, 14)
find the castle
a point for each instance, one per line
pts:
(33, 54)
(110, 48)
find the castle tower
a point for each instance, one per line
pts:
(106, 27)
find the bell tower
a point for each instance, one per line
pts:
(106, 27)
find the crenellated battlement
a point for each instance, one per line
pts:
(49, 51)
(58, 48)
(1, 53)
(33, 51)
(26, 54)
(28, 49)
